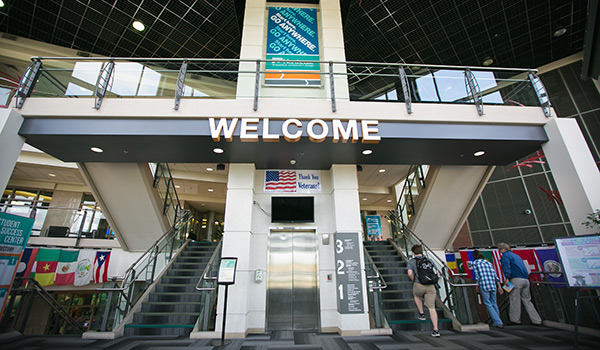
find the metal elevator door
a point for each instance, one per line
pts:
(292, 289)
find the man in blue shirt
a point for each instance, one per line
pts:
(516, 272)
(485, 275)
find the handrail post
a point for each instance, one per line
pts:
(473, 90)
(80, 228)
(332, 87)
(541, 93)
(27, 82)
(180, 84)
(405, 90)
(102, 83)
(256, 85)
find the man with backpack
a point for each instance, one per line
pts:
(424, 276)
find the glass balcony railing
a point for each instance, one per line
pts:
(233, 79)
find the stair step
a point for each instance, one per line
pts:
(417, 321)
(158, 313)
(142, 325)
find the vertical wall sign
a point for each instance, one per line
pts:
(373, 225)
(292, 34)
(14, 234)
(348, 272)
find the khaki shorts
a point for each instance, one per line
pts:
(425, 292)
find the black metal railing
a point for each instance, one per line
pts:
(375, 284)
(207, 285)
(109, 77)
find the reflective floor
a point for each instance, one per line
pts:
(512, 337)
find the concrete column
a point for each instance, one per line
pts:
(10, 143)
(209, 227)
(346, 215)
(574, 170)
(236, 243)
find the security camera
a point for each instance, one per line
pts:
(527, 212)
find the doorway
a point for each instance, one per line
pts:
(292, 283)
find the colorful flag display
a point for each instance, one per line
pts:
(83, 271)
(27, 262)
(65, 270)
(547, 259)
(46, 263)
(100, 273)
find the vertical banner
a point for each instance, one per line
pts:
(373, 226)
(14, 234)
(292, 34)
(349, 273)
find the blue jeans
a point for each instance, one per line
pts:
(489, 299)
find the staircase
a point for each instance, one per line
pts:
(174, 305)
(398, 302)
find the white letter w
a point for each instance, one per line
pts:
(215, 131)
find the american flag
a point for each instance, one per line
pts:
(280, 181)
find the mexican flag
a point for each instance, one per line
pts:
(65, 270)
(45, 266)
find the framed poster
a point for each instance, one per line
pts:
(227, 271)
(580, 258)
(292, 36)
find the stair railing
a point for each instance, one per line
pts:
(163, 182)
(413, 184)
(60, 316)
(207, 284)
(375, 283)
(121, 297)
(457, 294)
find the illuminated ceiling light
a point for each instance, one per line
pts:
(210, 190)
(177, 186)
(479, 153)
(487, 61)
(97, 149)
(52, 175)
(218, 150)
(559, 32)
(367, 152)
(389, 201)
(1, 3)
(364, 199)
(382, 170)
(139, 26)
(292, 161)
(203, 226)
(209, 169)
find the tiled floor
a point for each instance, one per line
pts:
(512, 337)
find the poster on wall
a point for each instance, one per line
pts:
(580, 257)
(14, 234)
(292, 181)
(293, 47)
(349, 273)
(373, 226)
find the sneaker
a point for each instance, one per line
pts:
(499, 326)
(435, 333)
(421, 317)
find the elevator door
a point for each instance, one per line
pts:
(292, 290)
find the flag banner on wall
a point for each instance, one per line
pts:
(492, 256)
(292, 36)
(451, 262)
(83, 271)
(530, 261)
(547, 259)
(100, 272)
(293, 181)
(27, 262)
(45, 266)
(65, 269)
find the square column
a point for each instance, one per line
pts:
(10, 143)
(574, 169)
(236, 243)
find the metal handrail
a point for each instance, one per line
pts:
(378, 274)
(208, 268)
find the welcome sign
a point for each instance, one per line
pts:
(292, 35)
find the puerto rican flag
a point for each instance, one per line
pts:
(100, 272)
(280, 181)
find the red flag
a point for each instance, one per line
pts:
(100, 273)
(530, 261)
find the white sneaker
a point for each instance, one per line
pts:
(435, 333)
(421, 317)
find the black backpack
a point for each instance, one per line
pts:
(426, 271)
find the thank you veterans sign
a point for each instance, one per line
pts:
(14, 234)
(292, 36)
(293, 181)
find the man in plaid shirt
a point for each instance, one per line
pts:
(485, 275)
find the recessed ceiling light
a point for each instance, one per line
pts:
(177, 186)
(292, 161)
(218, 150)
(209, 169)
(53, 175)
(382, 170)
(479, 153)
(97, 149)
(560, 31)
(1, 3)
(210, 190)
(364, 199)
(487, 61)
(389, 201)
(367, 152)
(139, 26)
